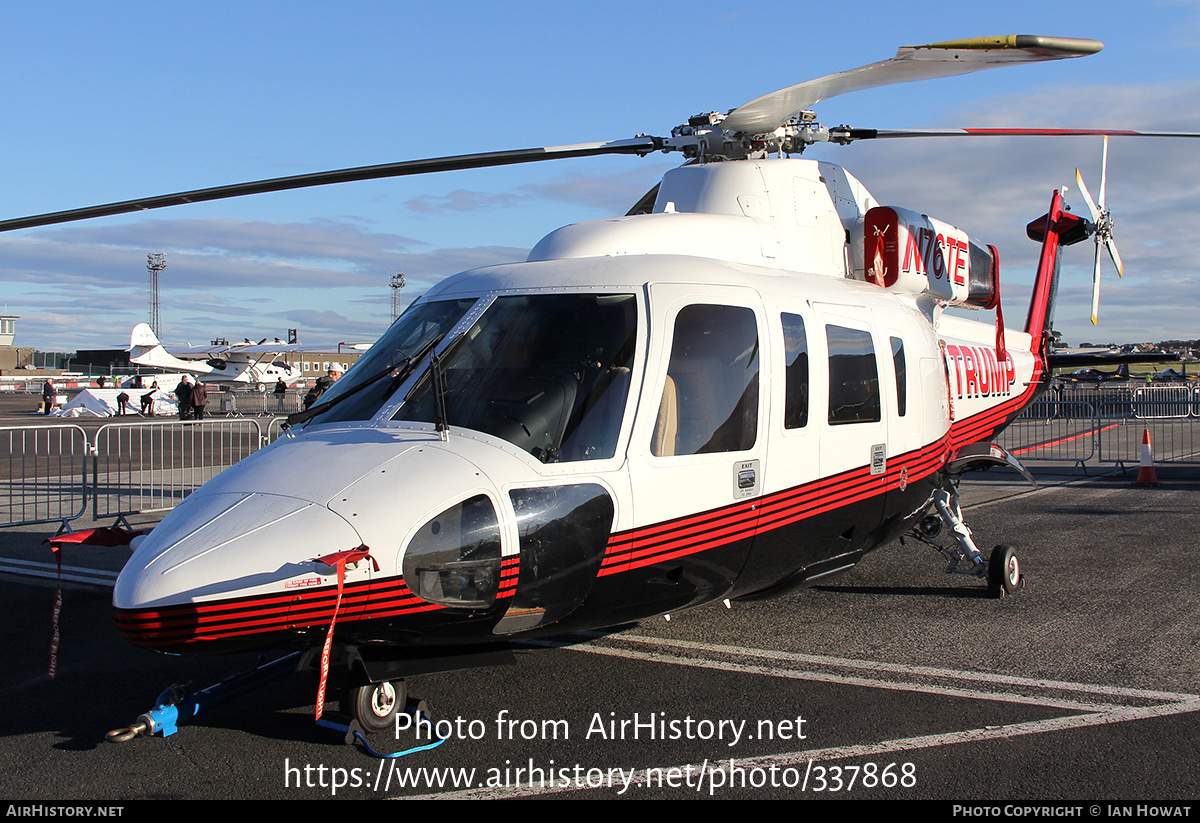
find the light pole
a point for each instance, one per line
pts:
(155, 263)
(397, 284)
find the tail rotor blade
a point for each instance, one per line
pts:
(1116, 258)
(1103, 228)
(1087, 197)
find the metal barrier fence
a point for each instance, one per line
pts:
(1054, 429)
(274, 430)
(262, 403)
(1106, 424)
(1135, 400)
(1173, 440)
(51, 473)
(44, 475)
(1156, 402)
(146, 467)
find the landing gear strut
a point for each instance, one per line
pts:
(1002, 570)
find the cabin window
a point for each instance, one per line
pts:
(710, 400)
(795, 346)
(853, 377)
(901, 379)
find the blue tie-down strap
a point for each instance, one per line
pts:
(418, 719)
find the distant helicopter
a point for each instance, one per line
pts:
(740, 387)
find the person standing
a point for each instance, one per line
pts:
(280, 391)
(322, 386)
(49, 396)
(183, 396)
(199, 400)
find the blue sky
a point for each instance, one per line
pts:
(112, 101)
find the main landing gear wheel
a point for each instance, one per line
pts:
(1004, 572)
(374, 705)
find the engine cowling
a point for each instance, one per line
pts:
(912, 252)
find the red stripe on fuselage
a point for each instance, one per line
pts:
(696, 533)
(206, 621)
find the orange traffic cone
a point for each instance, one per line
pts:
(1146, 475)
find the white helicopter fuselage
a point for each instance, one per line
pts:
(651, 413)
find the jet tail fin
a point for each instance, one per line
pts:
(145, 349)
(143, 336)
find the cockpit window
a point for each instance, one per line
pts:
(380, 372)
(548, 373)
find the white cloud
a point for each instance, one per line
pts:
(609, 194)
(231, 278)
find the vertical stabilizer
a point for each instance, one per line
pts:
(142, 341)
(1057, 228)
(146, 350)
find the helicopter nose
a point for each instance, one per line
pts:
(221, 554)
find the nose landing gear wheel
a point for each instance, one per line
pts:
(1004, 572)
(374, 705)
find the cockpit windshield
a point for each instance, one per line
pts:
(548, 373)
(366, 387)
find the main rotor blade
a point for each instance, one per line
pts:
(880, 134)
(1096, 286)
(637, 145)
(911, 63)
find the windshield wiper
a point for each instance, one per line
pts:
(441, 421)
(400, 375)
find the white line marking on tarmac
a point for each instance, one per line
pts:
(75, 574)
(904, 668)
(1089, 713)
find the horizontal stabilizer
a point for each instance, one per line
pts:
(1097, 359)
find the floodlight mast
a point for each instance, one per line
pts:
(155, 263)
(397, 283)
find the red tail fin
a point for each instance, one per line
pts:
(1056, 228)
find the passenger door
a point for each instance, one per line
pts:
(854, 443)
(696, 459)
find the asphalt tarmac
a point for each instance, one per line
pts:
(891, 681)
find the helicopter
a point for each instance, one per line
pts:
(739, 388)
